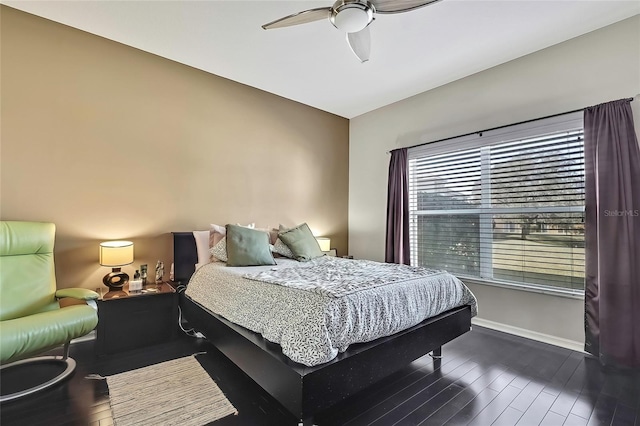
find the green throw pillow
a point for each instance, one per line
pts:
(301, 242)
(248, 247)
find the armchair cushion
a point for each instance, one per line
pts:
(27, 271)
(22, 337)
(77, 293)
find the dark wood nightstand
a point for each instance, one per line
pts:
(134, 319)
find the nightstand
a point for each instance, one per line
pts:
(134, 319)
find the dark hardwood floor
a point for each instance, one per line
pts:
(485, 378)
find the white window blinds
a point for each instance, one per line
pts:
(505, 206)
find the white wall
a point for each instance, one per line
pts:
(597, 67)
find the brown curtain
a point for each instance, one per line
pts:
(612, 292)
(397, 242)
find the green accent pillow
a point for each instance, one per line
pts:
(301, 242)
(248, 247)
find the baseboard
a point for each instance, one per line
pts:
(533, 335)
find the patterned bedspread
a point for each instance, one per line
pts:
(335, 277)
(314, 321)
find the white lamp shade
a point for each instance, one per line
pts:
(324, 242)
(116, 253)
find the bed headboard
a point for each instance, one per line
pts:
(185, 256)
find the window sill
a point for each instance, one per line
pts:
(571, 294)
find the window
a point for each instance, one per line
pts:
(506, 206)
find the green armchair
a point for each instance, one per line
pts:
(31, 320)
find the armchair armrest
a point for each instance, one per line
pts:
(77, 293)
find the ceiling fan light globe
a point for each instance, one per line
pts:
(352, 17)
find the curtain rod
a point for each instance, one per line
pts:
(502, 127)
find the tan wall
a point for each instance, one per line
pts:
(110, 142)
(600, 66)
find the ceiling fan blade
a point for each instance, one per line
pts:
(360, 44)
(307, 16)
(398, 6)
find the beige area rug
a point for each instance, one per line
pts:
(178, 392)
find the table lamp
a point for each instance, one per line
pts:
(324, 242)
(115, 254)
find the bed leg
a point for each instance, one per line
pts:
(436, 353)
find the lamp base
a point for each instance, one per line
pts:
(116, 279)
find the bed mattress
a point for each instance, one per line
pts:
(314, 319)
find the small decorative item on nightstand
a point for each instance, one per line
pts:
(135, 285)
(143, 273)
(116, 254)
(159, 271)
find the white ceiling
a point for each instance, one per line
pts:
(411, 52)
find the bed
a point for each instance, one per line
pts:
(302, 389)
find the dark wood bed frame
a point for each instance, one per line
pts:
(303, 390)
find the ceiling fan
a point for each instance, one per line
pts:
(353, 17)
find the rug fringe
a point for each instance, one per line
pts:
(99, 377)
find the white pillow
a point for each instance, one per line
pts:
(202, 246)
